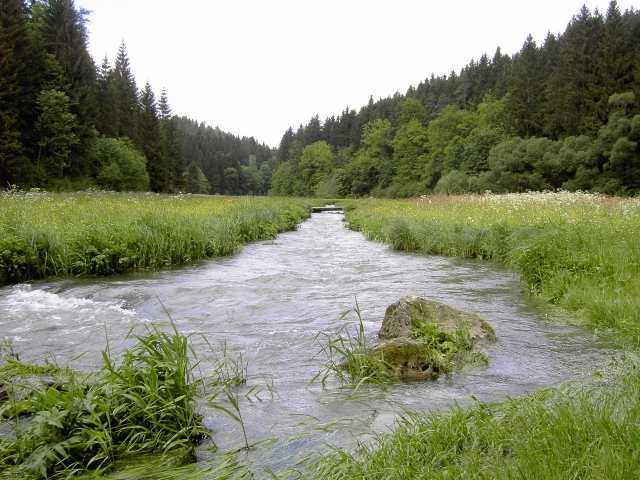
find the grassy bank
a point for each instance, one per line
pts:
(44, 235)
(579, 252)
(573, 433)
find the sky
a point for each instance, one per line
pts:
(256, 67)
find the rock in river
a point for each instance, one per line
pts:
(404, 316)
(422, 339)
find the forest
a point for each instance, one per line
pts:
(561, 115)
(69, 124)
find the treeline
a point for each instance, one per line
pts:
(560, 115)
(67, 124)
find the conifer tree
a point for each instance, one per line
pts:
(149, 136)
(65, 37)
(527, 90)
(170, 149)
(125, 96)
(14, 100)
(106, 119)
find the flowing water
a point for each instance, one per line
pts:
(270, 302)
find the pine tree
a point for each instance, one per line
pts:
(619, 57)
(106, 119)
(527, 90)
(285, 145)
(149, 136)
(14, 100)
(125, 96)
(65, 37)
(170, 148)
(576, 100)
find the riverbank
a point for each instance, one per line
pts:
(578, 252)
(97, 233)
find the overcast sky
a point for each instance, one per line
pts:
(256, 67)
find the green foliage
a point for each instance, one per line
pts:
(144, 404)
(285, 181)
(56, 127)
(576, 251)
(43, 235)
(316, 164)
(455, 182)
(195, 181)
(122, 167)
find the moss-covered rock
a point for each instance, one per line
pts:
(422, 339)
(407, 314)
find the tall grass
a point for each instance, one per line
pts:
(136, 416)
(572, 433)
(576, 251)
(579, 252)
(44, 234)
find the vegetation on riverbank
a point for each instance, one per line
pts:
(67, 422)
(576, 251)
(573, 432)
(44, 235)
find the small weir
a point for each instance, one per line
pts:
(270, 302)
(327, 208)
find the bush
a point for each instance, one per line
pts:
(121, 166)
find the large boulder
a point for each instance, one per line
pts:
(407, 314)
(422, 339)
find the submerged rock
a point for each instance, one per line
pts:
(406, 357)
(407, 314)
(422, 339)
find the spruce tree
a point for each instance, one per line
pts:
(149, 136)
(125, 96)
(14, 99)
(527, 90)
(619, 56)
(170, 148)
(65, 37)
(106, 118)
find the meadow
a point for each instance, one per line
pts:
(576, 251)
(96, 233)
(579, 253)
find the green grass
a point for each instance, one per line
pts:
(572, 433)
(353, 363)
(349, 358)
(135, 418)
(578, 252)
(48, 235)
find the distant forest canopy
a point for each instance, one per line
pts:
(67, 124)
(563, 114)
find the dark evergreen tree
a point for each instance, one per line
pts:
(14, 99)
(65, 37)
(170, 148)
(106, 121)
(124, 94)
(526, 91)
(150, 138)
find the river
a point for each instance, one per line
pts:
(272, 299)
